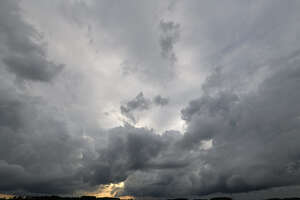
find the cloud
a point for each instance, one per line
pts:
(255, 134)
(32, 68)
(168, 38)
(127, 149)
(138, 37)
(241, 123)
(34, 139)
(159, 100)
(140, 103)
(26, 146)
(22, 50)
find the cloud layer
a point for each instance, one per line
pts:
(221, 114)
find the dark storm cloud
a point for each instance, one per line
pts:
(32, 144)
(34, 140)
(140, 103)
(40, 154)
(247, 110)
(255, 134)
(32, 67)
(21, 48)
(242, 132)
(127, 149)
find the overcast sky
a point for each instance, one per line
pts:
(150, 98)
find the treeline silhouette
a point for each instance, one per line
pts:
(60, 198)
(228, 198)
(113, 198)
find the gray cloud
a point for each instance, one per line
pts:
(34, 140)
(242, 132)
(159, 100)
(245, 111)
(140, 103)
(148, 48)
(127, 149)
(21, 49)
(33, 143)
(32, 68)
(255, 134)
(168, 38)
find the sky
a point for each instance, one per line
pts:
(150, 98)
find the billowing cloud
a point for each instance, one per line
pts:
(229, 80)
(22, 50)
(252, 134)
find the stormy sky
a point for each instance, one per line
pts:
(150, 98)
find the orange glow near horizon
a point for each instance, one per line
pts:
(6, 196)
(110, 190)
